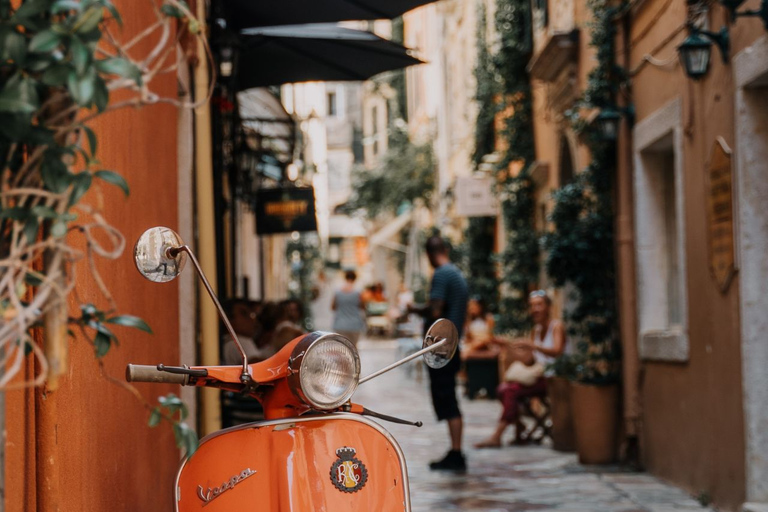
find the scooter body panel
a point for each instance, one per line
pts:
(292, 465)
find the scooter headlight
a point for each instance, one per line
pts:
(325, 370)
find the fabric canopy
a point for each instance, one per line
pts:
(264, 13)
(314, 52)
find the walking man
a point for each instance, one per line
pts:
(448, 298)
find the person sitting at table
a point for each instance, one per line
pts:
(478, 332)
(547, 342)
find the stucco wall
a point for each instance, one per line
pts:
(86, 445)
(693, 426)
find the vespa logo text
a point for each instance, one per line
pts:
(212, 493)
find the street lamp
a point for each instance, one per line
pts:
(607, 121)
(761, 12)
(696, 51)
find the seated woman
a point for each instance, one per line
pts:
(547, 343)
(478, 332)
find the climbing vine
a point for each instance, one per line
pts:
(520, 257)
(581, 244)
(475, 254)
(60, 63)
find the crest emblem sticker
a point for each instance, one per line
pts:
(348, 474)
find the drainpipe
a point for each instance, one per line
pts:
(627, 285)
(206, 238)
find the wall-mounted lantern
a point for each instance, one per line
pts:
(609, 118)
(696, 51)
(761, 12)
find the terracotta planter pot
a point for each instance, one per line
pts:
(596, 418)
(563, 435)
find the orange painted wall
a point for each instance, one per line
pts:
(693, 426)
(87, 446)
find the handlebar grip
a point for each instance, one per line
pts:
(145, 373)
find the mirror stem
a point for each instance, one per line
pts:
(404, 360)
(245, 377)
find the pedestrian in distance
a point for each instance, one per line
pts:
(448, 298)
(349, 309)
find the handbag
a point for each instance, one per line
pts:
(527, 375)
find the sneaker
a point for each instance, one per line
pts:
(453, 461)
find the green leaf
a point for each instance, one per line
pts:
(172, 11)
(15, 213)
(89, 20)
(120, 67)
(88, 310)
(65, 5)
(56, 75)
(114, 12)
(155, 417)
(92, 141)
(56, 175)
(82, 87)
(59, 229)
(44, 42)
(30, 9)
(113, 178)
(102, 344)
(130, 321)
(81, 57)
(80, 185)
(45, 212)
(38, 62)
(191, 442)
(101, 95)
(31, 229)
(32, 280)
(103, 329)
(13, 45)
(19, 95)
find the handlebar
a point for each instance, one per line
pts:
(145, 373)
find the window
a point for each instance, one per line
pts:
(332, 106)
(375, 132)
(661, 276)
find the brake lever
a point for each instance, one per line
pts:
(182, 370)
(392, 419)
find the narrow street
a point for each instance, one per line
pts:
(510, 479)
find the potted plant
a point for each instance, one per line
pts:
(595, 402)
(559, 393)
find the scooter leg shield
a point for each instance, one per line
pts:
(333, 463)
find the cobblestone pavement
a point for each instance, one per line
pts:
(507, 479)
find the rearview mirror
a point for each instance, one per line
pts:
(441, 330)
(152, 258)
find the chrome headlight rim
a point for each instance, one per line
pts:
(296, 363)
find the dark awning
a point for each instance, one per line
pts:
(265, 13)
(327, 52)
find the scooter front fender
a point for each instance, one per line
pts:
(292, 465)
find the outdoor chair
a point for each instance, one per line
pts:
(534, 411)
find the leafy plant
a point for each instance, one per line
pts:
(581, 244)
(520, 257)
(174, 411)
(406, 173)
(60, 63)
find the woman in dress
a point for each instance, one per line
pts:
(547, 342)
(349, 308)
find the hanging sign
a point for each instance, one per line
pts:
(285, 210)
(720, 215)
(474, 198)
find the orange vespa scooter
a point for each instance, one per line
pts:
(316, 450)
